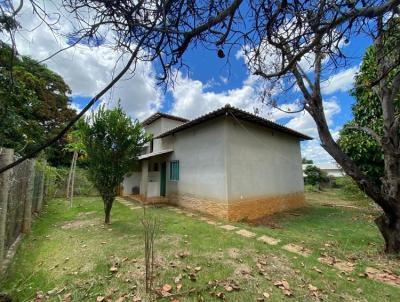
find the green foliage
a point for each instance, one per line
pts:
(349, 189)
(367, 111)
(83, 185)
(314, 176)
(112, 143)
(33, 105)
(306, 161)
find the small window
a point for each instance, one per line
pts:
(151, 146)
(174, 170)
(155, 167)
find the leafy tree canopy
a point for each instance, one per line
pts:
(33, 105)
(306, 161)
(112, 142)
(367, 112)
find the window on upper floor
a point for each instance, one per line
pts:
(151, 146)
(174, 170)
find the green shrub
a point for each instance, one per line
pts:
(315, 176)
(349, 188)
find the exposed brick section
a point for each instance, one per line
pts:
(249, 209)
(262, 206)
(214, 208)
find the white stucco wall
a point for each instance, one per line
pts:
(168, 124)
(261, 162)
(131, 180)
(200, 151)
(160, 126)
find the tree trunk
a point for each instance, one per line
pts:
(69, 176)
(390, 229)
(107, 210)
(30, 178)
(71, 194)
(389, 222)
(6, 157)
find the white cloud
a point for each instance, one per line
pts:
(342, 81)
(87, 70)
(313, 150)
(191, 99)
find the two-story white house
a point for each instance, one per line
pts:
(227, 163)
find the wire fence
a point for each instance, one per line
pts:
(24, 190)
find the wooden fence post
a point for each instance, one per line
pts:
(6, 158)
(41, 188)
(30, 176)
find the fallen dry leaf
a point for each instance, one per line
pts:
(312, 287)
(385, 276)
(317, 269)
(342, 265)
(100, 299)
(178, 278)
(266, 295)
(167, 288)
(284, 286)
(67, 297)
(114, 269)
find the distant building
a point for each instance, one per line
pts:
(331, 169)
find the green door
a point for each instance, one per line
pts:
(163, 178)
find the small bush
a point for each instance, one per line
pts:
(349, 188)
(315, 176)
(312, 188)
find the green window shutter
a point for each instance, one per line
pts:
(174, 170)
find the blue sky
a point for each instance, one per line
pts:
(209, 83)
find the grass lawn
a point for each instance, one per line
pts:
(71, 252)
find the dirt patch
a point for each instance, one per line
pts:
(274, 267)
(297, 249)
(244, 271)
(266, 221)
(385, 276)
(86, 213)
(77, 224)
(234, 253)
(342, 265)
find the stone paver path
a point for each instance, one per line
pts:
(228, 227)
(341, 265)
(246, 233)
(269, 240)
(297, 249)
(129, 204)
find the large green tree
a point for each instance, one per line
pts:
(363, 148)
(34, 105)
(112, 143)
